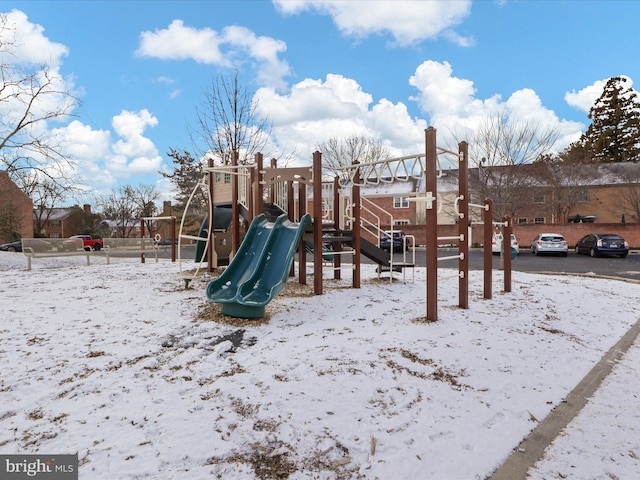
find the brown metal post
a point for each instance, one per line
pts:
(142, 254)
(488, 255)
(431, 243)
(210, 234)
(463, 224)
(506, 247)
(258, 186)
(317, 223)
(337, 246)
(355, 228)
(235, 211)
(272, 192)
(337, 207)
(302, 247)
(291, 214)
(173, 239)
(251, 204)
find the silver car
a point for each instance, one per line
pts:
(549, 243)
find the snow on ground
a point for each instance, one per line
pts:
(143, 378)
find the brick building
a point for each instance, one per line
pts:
(16, 211)
(62, 222)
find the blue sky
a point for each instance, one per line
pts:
(320, 69)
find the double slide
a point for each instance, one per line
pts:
(259, 270)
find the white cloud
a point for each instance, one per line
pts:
(134, 154)
(86, 149)
(452, 106)
(178, 42)
(314, 111)
(585, 98)
(226, 49)
(98, 162)
(82, 143)
(408, 21)
(28, 44)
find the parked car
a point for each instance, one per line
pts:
(496, 244)
(11, 247)
(167, 241)
(86, 242)
(34, 243)
(549, 243)
(597, 244)
(398, 241)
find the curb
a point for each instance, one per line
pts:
(532, 448)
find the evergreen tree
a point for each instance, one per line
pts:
(186, 174)
(614, 134)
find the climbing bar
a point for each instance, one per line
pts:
(476, 205)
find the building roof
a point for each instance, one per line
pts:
(62, 213)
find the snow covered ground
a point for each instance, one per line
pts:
(143, 378)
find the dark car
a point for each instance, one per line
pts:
(30, 244)
(11, 247)
(398, 241)
(597, 244)
(167, 241)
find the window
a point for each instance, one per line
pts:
(583, 196)
(54, 223)
(401, 222)
(400, 202)
(522, 220)
(538, 220)
(227, 178)
(218, 177)
(538, 198)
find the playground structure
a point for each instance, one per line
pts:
(254, 187)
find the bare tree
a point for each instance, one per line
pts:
(145, 198)
(126, 205)
(499, 147)
(45, 193)
(30, 98)
(626, 200)
(562, 181)
(343, 152)
(228, 122)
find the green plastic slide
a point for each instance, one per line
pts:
(244, 263)
(253, 284)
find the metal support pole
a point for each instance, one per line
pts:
(463, 224)
(142, 254)
(210, 235)
(272, 191)
(291, 215)
(258, 186)
(235, 210)
(506, 247)
(302, 249)
(431, 227)
(173, 239)
(317, 223)
(337, 245)
(488, 255)
(355, 228)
